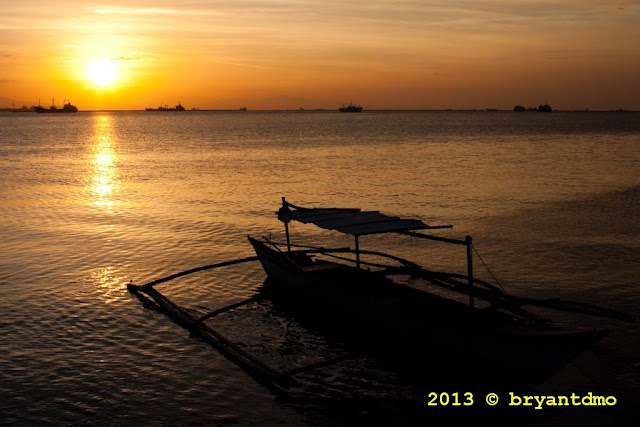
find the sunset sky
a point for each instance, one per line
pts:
(279, 54)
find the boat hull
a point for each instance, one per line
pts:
(372, 310)
(55, 110)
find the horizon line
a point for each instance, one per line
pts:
(485, 110)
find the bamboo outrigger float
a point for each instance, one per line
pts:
(498, 332)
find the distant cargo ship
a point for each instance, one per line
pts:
(23, 109)
(546, 108)
(178, 107)
(350, 108)
(67, 108)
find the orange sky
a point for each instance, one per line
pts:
(278, 54)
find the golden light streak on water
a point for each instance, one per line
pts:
(109, 284)
(105, 176)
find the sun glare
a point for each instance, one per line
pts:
(102, 72)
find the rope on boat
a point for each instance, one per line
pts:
(559, 304)
(450, 278)
(488, 269)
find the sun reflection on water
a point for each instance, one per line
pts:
(104, 161)
(108, 284)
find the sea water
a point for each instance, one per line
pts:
(93, 200)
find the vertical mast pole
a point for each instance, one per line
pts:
(286, 229)
(470, 271)
(285, 208)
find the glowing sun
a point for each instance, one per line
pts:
(102, 72)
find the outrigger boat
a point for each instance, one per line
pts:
(376, 302)
(365, 298)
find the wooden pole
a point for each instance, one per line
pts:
(134, 288)
(470, 271)
(226, 308)
(357, 252)
(286, 230)
(286, 224)
(426, 236)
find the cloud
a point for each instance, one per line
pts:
(127, 58)
(151, 11)
(239, 64)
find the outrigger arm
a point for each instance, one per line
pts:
(275, 380)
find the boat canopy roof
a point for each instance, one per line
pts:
(350, 221)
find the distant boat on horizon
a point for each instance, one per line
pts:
(546, 108)
(66, 108)
(178, 107)
(243, 108)
(350, 108)
(23, 109)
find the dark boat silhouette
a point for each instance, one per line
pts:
(399, 307)
(67, 108)
(178, 107)
(350, 108)
(394, 307)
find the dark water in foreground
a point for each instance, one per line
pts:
(93, 200)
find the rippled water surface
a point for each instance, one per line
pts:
(90, 201)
